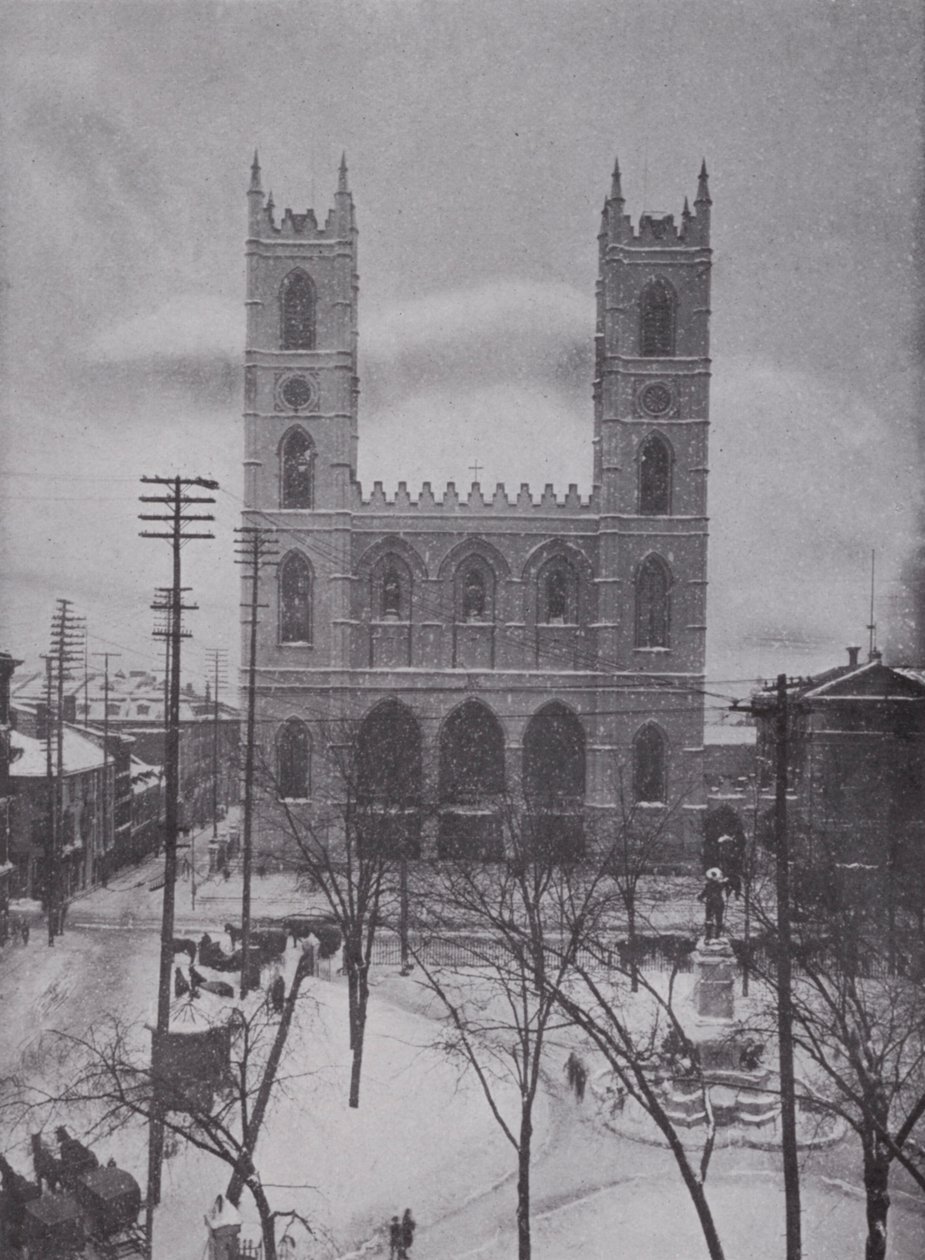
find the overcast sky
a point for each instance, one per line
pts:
(480, 138)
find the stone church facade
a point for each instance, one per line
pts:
(484, 646)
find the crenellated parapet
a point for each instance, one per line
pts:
(451, 501)
(656, 229)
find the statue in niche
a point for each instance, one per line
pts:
(473, 604)
(391, 596)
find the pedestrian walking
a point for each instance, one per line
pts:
(408, 1226)
(25, 931)
(395, 1247)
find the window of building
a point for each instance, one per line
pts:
(650, 777)
(558, 593)
(297, 470)
(554, 782)
(653, 585)
(475, 591)
(297, 300)
(391, 590)
(657, 320)
(655, 477)
(295, 599)
(293, 761)
(471, 781)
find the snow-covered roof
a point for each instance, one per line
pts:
(80, 754)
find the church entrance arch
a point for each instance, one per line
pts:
(554, 783)
(388, 780)
(471, 785)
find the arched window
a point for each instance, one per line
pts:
(293, 761)
(475, 591)
(297, 469)
(558, 593)
(554, 782)
(388, 777)
(650, 769)
(297, 312)
(471, 779)
(653, 584)
(655, 477)
(656, 320)
(391, 590)
(295, 599)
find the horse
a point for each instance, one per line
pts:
(218, 987)
(76, 1159)
(183, 945)
(47, 1169)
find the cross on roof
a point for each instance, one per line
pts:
(475, 468)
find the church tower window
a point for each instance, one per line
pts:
(293, 761)
(297, 302)
(650, 778)
(297, 470)
(655, 477)
(653, 585)
(657, 321)
(295, 599)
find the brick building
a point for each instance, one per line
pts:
(543, 648)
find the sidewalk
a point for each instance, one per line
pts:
(134, 895)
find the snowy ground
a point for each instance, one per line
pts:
(421, 1138)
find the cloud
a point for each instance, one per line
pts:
(186, 327)
(538, 312)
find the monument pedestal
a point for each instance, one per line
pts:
(715, 969)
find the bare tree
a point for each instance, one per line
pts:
(348, 844)
(636, 1026)
(639, 840)
(859, 1016)
(109, 1077)
(482, 934)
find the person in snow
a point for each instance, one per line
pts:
(395, 1247)
(408, 1226)
(278, 994)
(713, 896)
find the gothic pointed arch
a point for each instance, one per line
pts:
(295, 597)
(297, 311)
(389, 779)
(653, 603)
(650, 765)
(293, 760)
(297, 470)
(655, 476)
(472, 783)
(657, 318)
(554, 776)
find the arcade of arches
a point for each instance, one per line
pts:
(473, 780)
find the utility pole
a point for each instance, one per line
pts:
(784, 980)
(256, 549)
(218, 663)
(163, 603)
(108, 823)
(51, 844)
(176, 502)
(67, 640)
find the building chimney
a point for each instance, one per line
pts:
(875, 655)
(853, 652)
